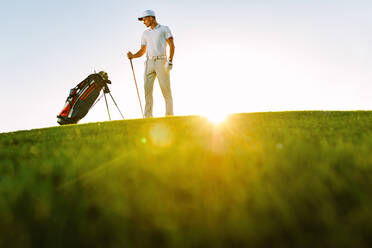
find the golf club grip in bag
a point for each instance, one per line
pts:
(81, 99)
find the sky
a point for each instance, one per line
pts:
(231, 56)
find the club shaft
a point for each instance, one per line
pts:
(135, 81)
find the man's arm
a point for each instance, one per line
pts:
(171, 48)
(137, 54)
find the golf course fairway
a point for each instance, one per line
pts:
(275, 179)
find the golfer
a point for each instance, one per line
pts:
(154, 43)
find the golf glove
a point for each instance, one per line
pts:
(169, 66)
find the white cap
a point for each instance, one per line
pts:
(147, 13)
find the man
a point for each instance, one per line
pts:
(154, 41)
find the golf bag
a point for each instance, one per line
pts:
(82, 98)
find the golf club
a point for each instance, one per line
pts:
(135, 81)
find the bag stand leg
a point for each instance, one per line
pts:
(116, 106)
(108, 111)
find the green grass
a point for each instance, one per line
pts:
(282, 179)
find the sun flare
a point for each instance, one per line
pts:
(216, 118)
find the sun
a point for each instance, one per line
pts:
(217, 117)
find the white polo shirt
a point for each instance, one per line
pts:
(155, 40)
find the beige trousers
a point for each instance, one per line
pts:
(153, 68)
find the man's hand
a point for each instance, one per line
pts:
(130, 55)
(169, 65)
(138, 54)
